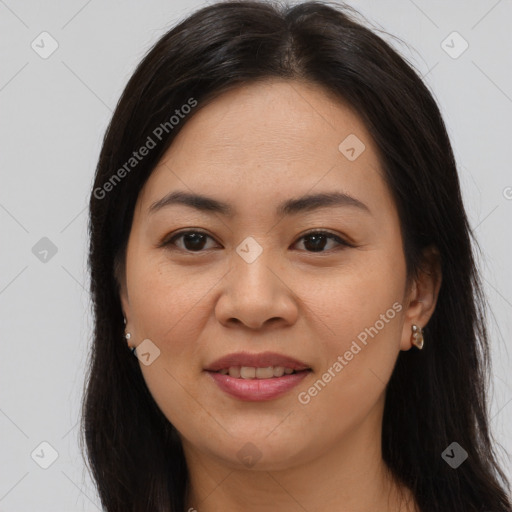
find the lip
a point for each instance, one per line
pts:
(257, 390)
(261, 360)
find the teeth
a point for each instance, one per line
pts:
(248, 372)
(264, 373)
(234, 371)
(279, 371)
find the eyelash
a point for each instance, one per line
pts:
(328, 234)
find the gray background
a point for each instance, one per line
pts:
(54, 112)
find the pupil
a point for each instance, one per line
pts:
(196, 239)
(316, 247)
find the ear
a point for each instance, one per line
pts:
(423, 293)
(120, 277)
(125, 303)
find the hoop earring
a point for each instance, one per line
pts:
(417, 338)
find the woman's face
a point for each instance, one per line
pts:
(256, 279)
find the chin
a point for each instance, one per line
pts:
(262, 454)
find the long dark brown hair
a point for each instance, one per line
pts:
(435, 396)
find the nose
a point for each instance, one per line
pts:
(256, 294)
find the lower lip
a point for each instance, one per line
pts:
(257, 390)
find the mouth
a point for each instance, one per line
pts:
(257, 377)
(259, 373)
(257, 389)
(263, 365)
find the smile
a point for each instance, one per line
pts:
(249, 372)
(254, 388)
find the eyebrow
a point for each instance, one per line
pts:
(292, 206)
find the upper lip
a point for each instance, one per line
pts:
(261, 360)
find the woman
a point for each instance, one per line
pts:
(287, 310)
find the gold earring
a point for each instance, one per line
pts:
(417, 336)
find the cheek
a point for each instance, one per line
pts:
(169, 309)
(361, 323)
(166, 301)
(348, 300)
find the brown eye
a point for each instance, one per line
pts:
(193, 241)
(316, 241)
(196, 241)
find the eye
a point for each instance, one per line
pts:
(316, 240)
(195, 241)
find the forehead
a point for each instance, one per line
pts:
(269, 139)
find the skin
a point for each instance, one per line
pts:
(253, 147)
